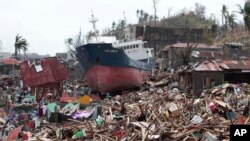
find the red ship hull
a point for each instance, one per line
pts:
(112, 78)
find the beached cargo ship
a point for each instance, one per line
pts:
(108, 69)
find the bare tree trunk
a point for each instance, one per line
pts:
(15, 53)
(24, 55)
(155, 10)
(222, 19)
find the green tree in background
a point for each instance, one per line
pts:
(246, 14)
(20, 44)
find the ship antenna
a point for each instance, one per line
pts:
(93, 20)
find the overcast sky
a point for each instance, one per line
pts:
(47, 23)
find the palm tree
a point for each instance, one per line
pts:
(123, 24)
(70, 52)
(91, 34)
(155, 2)
(224, 14)
(246, 14)
(70, 42)
(142, 13)
(24, 52)
(20, 44)
(138, 14)
(231, 21)
(145, 18)
(141, 16)
(150, 19)
(113, 26)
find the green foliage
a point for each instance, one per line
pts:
(187, 20)
(117, 29)
(247, 8)
(144, 18)
(20, 44)
(91, 34)
(246, 14)
(231, 20)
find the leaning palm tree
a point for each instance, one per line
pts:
(71, 46)
(246, 14)
(20, 44)
(70, 42)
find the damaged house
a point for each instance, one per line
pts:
(176, 55)
(47, 72)
(9, 65)
(208, 74)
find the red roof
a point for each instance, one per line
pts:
(208, 66)
(9, 61)
(50, 71)
(223, 65)
(236, 64)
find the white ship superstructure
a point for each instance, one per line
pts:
(135, 49)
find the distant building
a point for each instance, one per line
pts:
(61, 56)
(8, 65)
(198, 52)
(158, 37)
(5, 55)
(30, 56)
(35, 56)
(207, 74)
(234, 50)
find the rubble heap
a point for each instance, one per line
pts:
(152, 113)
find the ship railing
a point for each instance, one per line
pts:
(129, 40)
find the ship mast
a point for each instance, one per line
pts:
(93, 20)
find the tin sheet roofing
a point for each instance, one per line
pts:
(236, 64)
(223, 65)
(208, 66)
(9, 61)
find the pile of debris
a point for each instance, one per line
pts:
(155, 113)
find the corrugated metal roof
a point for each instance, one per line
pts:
(236, 64)
(208, 66)
(223, 65)
(9, 61)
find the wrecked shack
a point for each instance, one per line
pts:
(43, 73)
